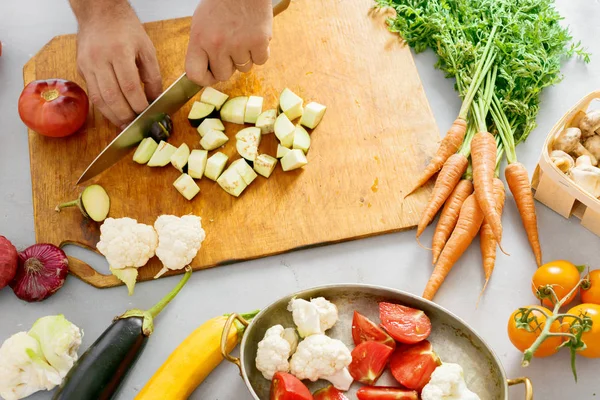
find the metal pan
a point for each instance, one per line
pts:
(453, 340)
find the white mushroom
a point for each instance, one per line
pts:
(592, 144)
(562, 160)
(590, 123)
(569, 141)
(586, 175)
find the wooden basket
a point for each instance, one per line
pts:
(556, 190)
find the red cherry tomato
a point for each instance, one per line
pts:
(365, 330)
(329, 393)
(405, 324)
(287, 387)
(53, 107)
(368, 361)
(412, 365)
(385, 393)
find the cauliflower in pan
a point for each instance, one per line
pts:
(274, 351)
(447, 383)
(313, 317)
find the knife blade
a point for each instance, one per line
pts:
(171, 100)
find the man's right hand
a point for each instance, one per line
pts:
(115, 56)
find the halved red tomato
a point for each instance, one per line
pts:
(405, 324)
(368, 361)
(365, 330)
(412, 365)
(329, 393)
(385, 393)
(287, 387)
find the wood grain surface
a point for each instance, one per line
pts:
(377, 135)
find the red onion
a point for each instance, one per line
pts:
(42, 270)
(8, 261)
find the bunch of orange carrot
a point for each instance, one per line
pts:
(468, 188)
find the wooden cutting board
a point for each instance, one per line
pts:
(377, 135)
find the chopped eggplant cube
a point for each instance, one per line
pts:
(199, 112)
(215, 165)
(293, 159)
(266, 121)
(214, 97)
(213, 139)
(234, 110)
(180, 158)
(284, 130)
(245, 170)
(162, 155)
(210, 123)
(145, 150)
(232, 182)
(265, 164)
(247, 150)
(197, 163)
(253, 109)
(186, 186)
(301, 139)
(282, 151)
(313, 114)
(291, 104)
(250, 135)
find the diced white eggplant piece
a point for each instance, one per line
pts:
(215, 165)
(313, 114)
(253, 109)
(213, 139)
(210, 123)
(293, 159)
(199, 112)
(247, 150)
(213, 96)
(266, 121)
(282, 151)
(180, 157)
(197, 163)
(186, 186)
(245, 170)
(284, 130)
(265, 164)
(145, 150)
(162, 155)
(291, 104)
(232, 182)
(301, 139)
(234, 110)
(250, 135)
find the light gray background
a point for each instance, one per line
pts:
(394, 260)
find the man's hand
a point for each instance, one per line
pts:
(227, 35)
(115, 56)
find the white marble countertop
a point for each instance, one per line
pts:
(393, 260)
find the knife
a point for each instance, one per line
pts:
(171, 100)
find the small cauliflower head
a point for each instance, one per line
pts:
(321, 357)
(447, 383)
(59, 340)
(328, 312)
(314, 316)
(23, 369)
(273, 353)
(126, 243)
(179, 239)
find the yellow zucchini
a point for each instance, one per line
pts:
(192, 361)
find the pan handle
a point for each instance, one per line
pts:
(526, 382)
(228, 325)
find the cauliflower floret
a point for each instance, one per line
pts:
(328, 312)
(126, 243)
(447, 383)
(273, 352)
(179, 239)
(23, 369)
(314, 316)
(291, 336)
(321, 357)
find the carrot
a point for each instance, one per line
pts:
(456, 134)
(469, 221)
(449, 145)
(446, 181)
(487, 240)
(518, 182)
(449, 216)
